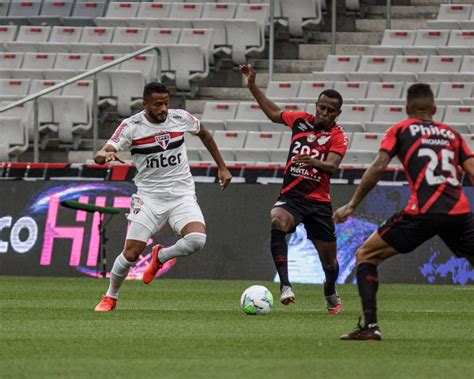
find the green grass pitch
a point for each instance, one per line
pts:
(195, 329)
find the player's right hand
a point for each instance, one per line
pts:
(341, 214)
(249, 73)
(112, 156)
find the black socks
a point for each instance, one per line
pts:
(279, 248)
(368, 283)
(331, 276)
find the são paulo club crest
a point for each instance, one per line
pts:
(163, 140)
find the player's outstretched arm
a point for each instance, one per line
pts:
(107, 154)
(271, 110)
(223, 173)
(369, 180)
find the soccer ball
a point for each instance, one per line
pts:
(256, 300)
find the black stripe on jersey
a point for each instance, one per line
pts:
(156, 148)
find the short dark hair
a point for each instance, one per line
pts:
(152, 88)
(420, 91)
(333, 94)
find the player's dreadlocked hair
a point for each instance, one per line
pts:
(152, 88)
(420, 91)
(333, 94)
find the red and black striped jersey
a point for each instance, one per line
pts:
(317, 142)
(431, 153)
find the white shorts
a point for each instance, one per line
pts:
(153, 213)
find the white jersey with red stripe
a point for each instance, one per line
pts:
(159, 153)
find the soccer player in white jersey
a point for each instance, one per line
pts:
(155, 137)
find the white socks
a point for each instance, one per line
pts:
(191, 243)
(118, 274)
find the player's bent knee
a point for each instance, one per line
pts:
(364, 255)
(194, 242)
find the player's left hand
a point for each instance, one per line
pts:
(224, 177)
(305, 160)
(341, 214)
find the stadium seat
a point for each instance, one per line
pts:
(358, 158)
(71, 117)
(103, 78)
(310, 89)
(246, 38)
(14, 87)
(378, 126)
(219, 11)
(24, 9)
(118, 14)
(248, 117)
(146, 64)
(219, 44)
(307, 15)
(227, 154)
(384, 91)
(461, 38)
(83, 88)
(262, 140)
(431, 38)
(126, 40)
(282, 90)
(440, 68)
(455, 91)
(85, 13)
(153, 10)
(4, 5)
(163, 37)
(63, 35)
(216, 114)
(405, 68)
(457, 12)
(352, 90)
(29, 38)
(400, 38)
(370, 68)
(38, 85)
(8, 32)
(8, 62)
(187, 64)
(230, 139)
(341, 64)
(252, 156)
(459, 114)
(389, 113)
(352, 127)
(201, 37)
(257, 12)
(52, 12)
(359, 113)
(14, 139)
(186, 10)
(278, 156)
(366, 141)
(285, 141)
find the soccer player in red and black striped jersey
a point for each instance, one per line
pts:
(317, 147)
(431, 153)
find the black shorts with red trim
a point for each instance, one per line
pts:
(405, 232)
(316, 216)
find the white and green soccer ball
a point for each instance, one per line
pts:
(256, 300)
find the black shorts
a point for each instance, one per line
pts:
(405, 232)
(316, 217)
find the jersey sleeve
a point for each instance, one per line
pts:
(289, 117)
(122, 138)
(464, 150)
(389, 142)
(192, 124)
(339, 144)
